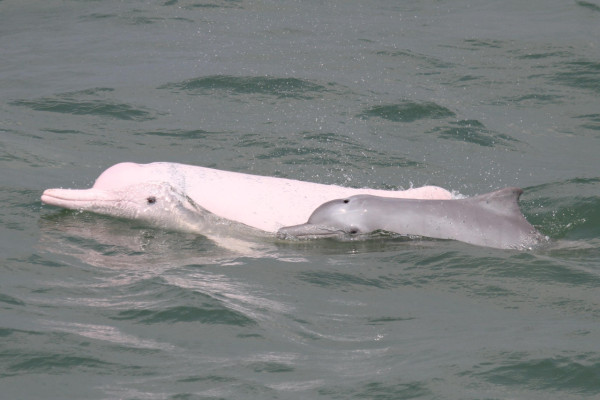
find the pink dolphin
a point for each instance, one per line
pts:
(190, 197)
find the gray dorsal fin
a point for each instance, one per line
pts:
(504, 201)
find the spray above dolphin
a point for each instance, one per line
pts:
(492, 220)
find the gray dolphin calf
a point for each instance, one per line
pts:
(492, 219)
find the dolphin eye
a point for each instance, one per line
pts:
(353, 231)
(346, 201)
(151, 200)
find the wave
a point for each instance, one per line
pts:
(568, 209)
(293, 88)
(474, 132)
(87, 102)
(407, 111)
(578, 372)
(580, 74)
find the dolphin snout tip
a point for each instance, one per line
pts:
(306, 231)
(72, 198)
(49, 196)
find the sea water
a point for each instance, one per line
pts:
(470, 96)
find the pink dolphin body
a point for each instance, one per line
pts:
(189, 197)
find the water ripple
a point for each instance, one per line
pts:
(579, 373)
(407, 111)
(294, 88)
(205, 313)
(474, 132)
(87, 102)
(581, 74)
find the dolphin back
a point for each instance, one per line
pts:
(503, 202)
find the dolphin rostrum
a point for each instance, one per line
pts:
(492, 219)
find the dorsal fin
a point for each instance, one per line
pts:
(504, 201)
